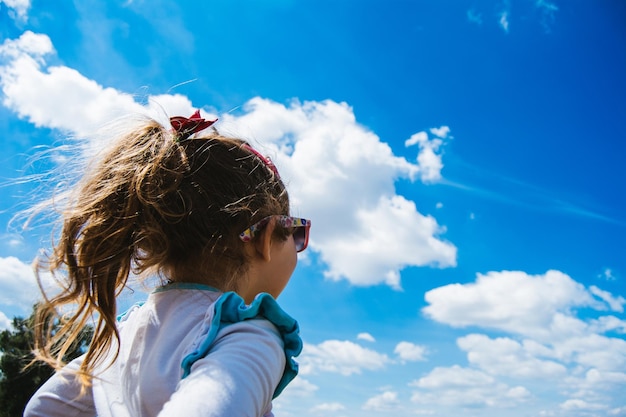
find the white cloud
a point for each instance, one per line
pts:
(61, 98)
(343, 357)
(387, 401)
(504, 21)
(365, 336)
(615, 303)
(457, 386)
(518, 393)
(5, 322)
(11, 241)
(595, 376)
(593, 351)
(429, 156)
(581, 405)
(299, 387)
(371, 253)
(410, 352)
(608, 323)
(454, 376)
(58, 97)
(18, 285)
(422, 412)
(364, 232)
(594, 386)
(328, 407)
(555, 345)
(507, 357)
(503, 16)
(441, 132)
(607, 274)
(298, 391)
(420, 138)
(513, 301)
(539, 307)
(29, 44)
(19, 8)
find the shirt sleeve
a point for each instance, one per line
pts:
(61, 396)
(237, 377)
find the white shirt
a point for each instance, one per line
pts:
(188, 351)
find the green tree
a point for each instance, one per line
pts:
(18, 382)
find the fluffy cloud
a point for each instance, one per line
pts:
(593, 351)
(321, 150)
(5, 323)
(581, 405)
(328, 408)
(19, 8)
(343, 357)
(299, 387)
(513, 301)
(539, 308)
(56, 97)
(378, 247)
(366, 336)
(453, 376)
(409, 352)
(507, 357)
(18, 286)
(548, 341)
(429, 158)
(387, 401)
(457, 386)
(614, 303)
(504, 21)
(19, 290)
(607, 274)
(61, 98)
(608, 323)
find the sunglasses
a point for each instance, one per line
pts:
(299, 227)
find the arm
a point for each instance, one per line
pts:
(236, 378)
(60, 396)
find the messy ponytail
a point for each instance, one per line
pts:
(152, 205)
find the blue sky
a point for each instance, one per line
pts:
(461, 161)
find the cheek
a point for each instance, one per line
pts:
(293, 255)
(295, 259)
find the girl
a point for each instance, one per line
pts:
(210, 216)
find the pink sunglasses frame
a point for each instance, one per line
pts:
(283, 221)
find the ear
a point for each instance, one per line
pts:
(263, 243)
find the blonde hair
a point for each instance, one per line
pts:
(151, 205)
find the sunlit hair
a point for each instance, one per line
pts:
(151, 205)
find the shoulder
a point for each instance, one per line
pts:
(230, 308)
(261, 326)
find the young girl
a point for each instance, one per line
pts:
(210, 216)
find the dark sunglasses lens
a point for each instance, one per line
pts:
(299, 237)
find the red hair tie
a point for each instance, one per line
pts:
(184, 127)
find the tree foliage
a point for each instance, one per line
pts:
(18, 381)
